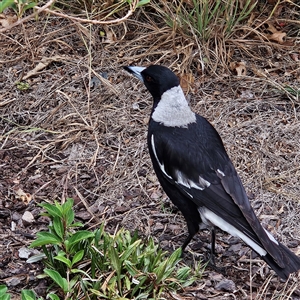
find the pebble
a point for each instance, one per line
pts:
(226, 285)
(27, 218)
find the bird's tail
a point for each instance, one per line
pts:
(290, 260)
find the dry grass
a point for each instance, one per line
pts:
(73, 135)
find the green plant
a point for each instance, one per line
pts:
(206, 18)
(3, 293)
(97, 264)
(19, 6)
(293, 91)
(29, 295)
(25, 294)
(22, 86)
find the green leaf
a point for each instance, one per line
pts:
(5, 3)
(130, 268)
(64, 260)
(127, 283)
(79, 236)
(56, 277)
(53, 297)
(70, 217)
(3, 295)
(142, 2)
(77, 257)
(30, 5)
(28, 295)
(45, 238)
(115, 261)
(141, 280)
(175, 257)
(98, 294)
(183, 273)
(52, 210)
(160, 271)
(58, 227)
(76, 224)
(3, 289)
(130, 249)
(68, 205)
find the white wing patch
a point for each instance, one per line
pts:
(220, 172)
(161, 165)
(271, 237)
(208, 217)
(180, 177)
(200, 185)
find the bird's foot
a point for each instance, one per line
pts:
(212, 264)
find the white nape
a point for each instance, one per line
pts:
(173, 109)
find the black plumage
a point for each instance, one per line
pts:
(196, 173)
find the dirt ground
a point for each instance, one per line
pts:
(79, 130)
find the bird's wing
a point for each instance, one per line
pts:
(207, 176)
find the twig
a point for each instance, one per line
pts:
(39, 10)
(80, 20)
(95, 22)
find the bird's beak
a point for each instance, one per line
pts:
(135, 71)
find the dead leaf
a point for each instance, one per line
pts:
(187, 82)
(295, 56)
(259, 72)
(238, 67)
(45, 61)
(277, 37)
(110, 36)
(25, 197)
(271, 27)
(6, 21)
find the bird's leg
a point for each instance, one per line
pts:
(185, 243)
(193, 228)
(213, 246)
(211, 261)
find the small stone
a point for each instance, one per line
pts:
(83, 215)
(158, 227)
(235, 247)
(216, 276)
(13, 226)
(24, 252)
(15, 216)
(27, 218)
(12, 281)
(226, 285)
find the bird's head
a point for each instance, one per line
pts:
(157, 79)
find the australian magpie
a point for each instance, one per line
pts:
(196, 173)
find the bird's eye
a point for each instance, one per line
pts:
(148, 78)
